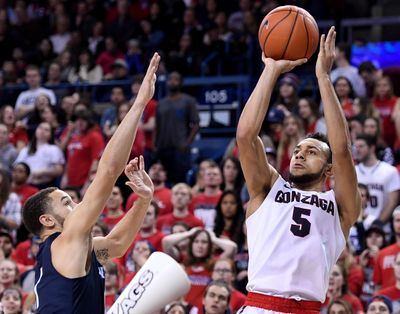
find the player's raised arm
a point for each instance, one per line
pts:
(346, 190)
(258, 173)
(112, 162)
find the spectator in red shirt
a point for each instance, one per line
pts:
(337, 289)
(345, 93)
(111, 284)
(224, 270)
(84, 147)
(204, 203)
(113, 211)
(136, 258)
(148, 231)
(383, 271)
(107, 57)
(19, 185)
(162, 194)
(393, 292)
(199, 258)
(17, 134)
(181, 197)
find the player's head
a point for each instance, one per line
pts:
(47, 210)
(311, 161)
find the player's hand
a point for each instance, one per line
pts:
(282, 66)
(326, 55)
(147, 88)
(139, 180)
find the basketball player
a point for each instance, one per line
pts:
(69, 273)
(296, 231)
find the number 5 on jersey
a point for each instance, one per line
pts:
(302, 226)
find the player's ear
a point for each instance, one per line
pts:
(47, 220)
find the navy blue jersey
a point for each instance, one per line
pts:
(58, 294)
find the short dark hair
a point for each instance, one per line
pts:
(219, 283)
(37, 205)
(369, 139)
(346, 48)
(26, 167)
(367, 66)
(322, 138)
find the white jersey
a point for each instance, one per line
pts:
(381, 179)
(294, 240)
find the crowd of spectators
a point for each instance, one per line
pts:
(54, 137)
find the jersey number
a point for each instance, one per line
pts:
(302, 226)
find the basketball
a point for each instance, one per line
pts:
(288, 33)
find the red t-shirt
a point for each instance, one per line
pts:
(392, 292)
(162, 197)
(385, 107)
(18, 135)
(355, 280)
(149, 112)
(109, 300)
(237, 300)
(22, 254)
(112, 221)
(165, 222)
(383, 269)
(82, 150)
(199, 281)
(24, 192)
(155, 240)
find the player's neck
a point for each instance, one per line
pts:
(310, 187)
(46, 233)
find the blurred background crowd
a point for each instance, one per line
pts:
(69, 73)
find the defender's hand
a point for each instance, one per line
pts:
(146, 91)
(139, 180)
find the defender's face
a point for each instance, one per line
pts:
(309, 157)
(61, 205)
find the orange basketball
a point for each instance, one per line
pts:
(288, 32)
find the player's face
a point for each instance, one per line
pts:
(216, 300)
(309, 161)
(200, 245)
(378, 307)
(229, 206)
(337, 309)
(62, 205)
(223, 271)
